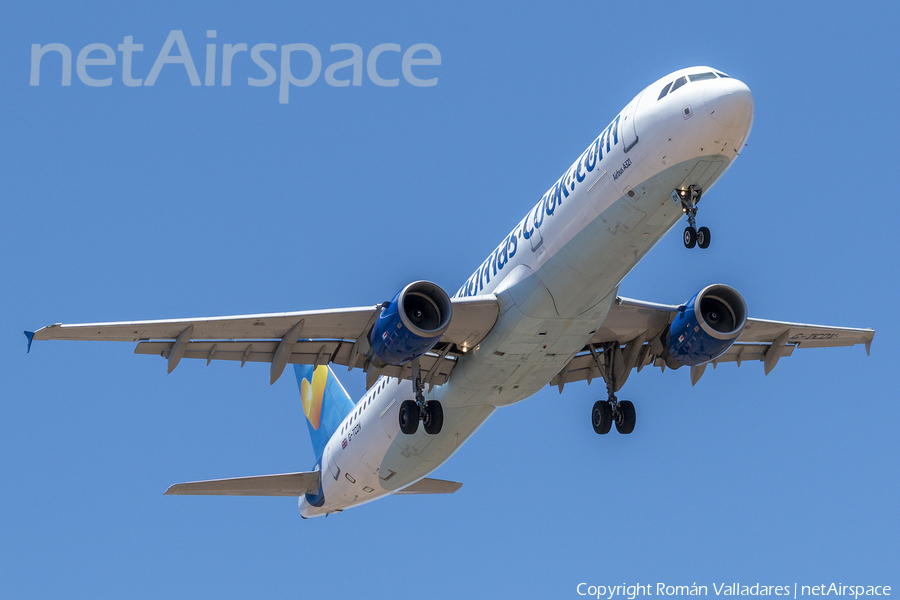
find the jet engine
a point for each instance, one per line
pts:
(410, 324)
(706, 326)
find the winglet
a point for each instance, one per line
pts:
(868, 346)
(30, 336)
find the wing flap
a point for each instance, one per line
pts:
(805, 336)
(431, 486)
(739, 353)
(285, 484)
(314, 352)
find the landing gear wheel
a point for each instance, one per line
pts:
(625, 417)
(434, 417)
(409, 417)
(601, 417)
(689, 199)
(690, 237)
(703, 237)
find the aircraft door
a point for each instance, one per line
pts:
(627, 125)
(329, 465)
(602, 194)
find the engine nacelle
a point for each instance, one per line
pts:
(709, 324)
(411, 324)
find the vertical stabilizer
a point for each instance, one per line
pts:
(325, 403)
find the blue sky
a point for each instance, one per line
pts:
(128, 203)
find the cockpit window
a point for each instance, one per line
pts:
(721, 74)
(678, 83)
(664, 91)
(702, 76)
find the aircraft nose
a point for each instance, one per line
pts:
(729, 102)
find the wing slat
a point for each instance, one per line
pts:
(472, 319)
(341, 323)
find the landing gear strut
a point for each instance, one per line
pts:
(430, 412)
(612, 410)
(693, 236)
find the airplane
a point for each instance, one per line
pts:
(543, 308)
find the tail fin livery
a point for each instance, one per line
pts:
(325, 403)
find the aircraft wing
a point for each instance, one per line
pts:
(306, 337)
(635, 328)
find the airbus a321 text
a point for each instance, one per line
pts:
(542, 308)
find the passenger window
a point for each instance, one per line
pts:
(702, 76)
(664, 91)
(678, 83)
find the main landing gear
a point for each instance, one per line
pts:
(612, 410)
(607, 412)
(412, 411)
(693, 236)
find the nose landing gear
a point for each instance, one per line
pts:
(692, 236)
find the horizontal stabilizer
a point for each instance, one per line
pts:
(286, 484)
(431, 486)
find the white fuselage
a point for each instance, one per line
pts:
(556, 275)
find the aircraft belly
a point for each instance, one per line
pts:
(547, 316)
(622, 234)
(382, 465)
(551, 314)
(356, 482)
(383, 460)
(411, 457)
